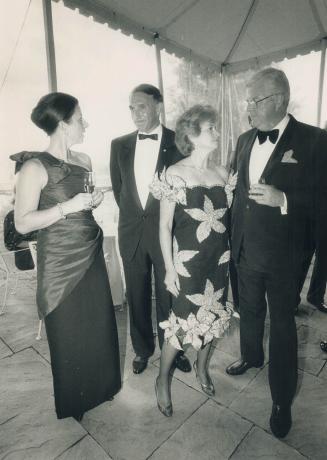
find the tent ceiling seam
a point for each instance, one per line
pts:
(316, 17)
(105, 15)
(242, 30)
(178, 15)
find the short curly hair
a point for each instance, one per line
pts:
(190, 124)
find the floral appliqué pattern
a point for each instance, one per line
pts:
(180, 257)
(211, 320)
(171, 189)
(230, 187)
(209, 218)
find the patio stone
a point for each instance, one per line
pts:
(85, 449)
(310, 355)
(258, 445)
(37, 435)
(309, 413)
(25, 383)
(131, 426)
(4, 349)
(211, 432)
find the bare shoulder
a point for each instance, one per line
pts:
(32, 166)
(177, 169)
(33, 172)
(81, 159)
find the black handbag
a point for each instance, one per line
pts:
(13, 241)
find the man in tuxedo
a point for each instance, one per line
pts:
(278, 186)
(134, 160)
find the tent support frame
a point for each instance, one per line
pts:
(49, 42)
(321, 79)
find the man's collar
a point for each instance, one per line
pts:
(157, 130)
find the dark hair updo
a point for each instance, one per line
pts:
(53, 108)
(189, 124)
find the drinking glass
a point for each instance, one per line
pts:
(89, 182)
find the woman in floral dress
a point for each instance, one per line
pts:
(195, 196)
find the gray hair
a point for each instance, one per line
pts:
(277, 80)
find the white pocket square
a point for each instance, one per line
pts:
(288, 157)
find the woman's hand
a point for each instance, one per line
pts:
(80, 202)
(172, 282)
(97, 197)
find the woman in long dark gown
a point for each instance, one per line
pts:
(195, 197)
(73, 293)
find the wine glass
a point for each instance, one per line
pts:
(89, 182)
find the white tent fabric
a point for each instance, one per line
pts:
(237, 33)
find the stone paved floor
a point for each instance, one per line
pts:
(232, 425)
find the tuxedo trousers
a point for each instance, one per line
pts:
(138, 277)
(280, 290)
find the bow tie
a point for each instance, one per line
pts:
(272, 135)
(154, 137)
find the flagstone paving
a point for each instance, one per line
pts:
(234, 424)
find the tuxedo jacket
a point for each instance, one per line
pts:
(134, 221)
(274, 242)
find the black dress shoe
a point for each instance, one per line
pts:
(280, 420)
(182, 363)
(240, 367)
(139, 364)
(322, 307)
(323, 346)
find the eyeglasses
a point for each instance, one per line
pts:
(254, 102)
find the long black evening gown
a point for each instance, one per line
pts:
(74, 297)
(201, 256)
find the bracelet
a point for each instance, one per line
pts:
(61, 211)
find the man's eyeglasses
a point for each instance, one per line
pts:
(254, 102)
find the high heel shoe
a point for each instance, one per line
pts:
(207, 388)
(166, 411)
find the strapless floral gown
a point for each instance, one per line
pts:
(201, 257)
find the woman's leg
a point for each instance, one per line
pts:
(168, 354)
(202, 358)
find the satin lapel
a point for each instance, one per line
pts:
(165, 143)
(245, 161)
(279, 150)
(129, 148)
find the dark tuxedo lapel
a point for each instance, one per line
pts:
(245, 154)
(281, 147)
(128, 158)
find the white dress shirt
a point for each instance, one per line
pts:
(260, 155)
(145, 161)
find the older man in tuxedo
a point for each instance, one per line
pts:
(134, 160)
(279, 183)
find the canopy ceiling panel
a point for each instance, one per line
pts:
(218, 32)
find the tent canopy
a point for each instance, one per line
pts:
(238, 33)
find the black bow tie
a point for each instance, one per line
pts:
(154, 137)
(263, 135)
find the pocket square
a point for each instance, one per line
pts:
(288, 157)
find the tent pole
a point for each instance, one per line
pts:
(222, 134)
(321, 79)
(49, 43)
(160, 78)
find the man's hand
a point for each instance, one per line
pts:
(267, 195)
